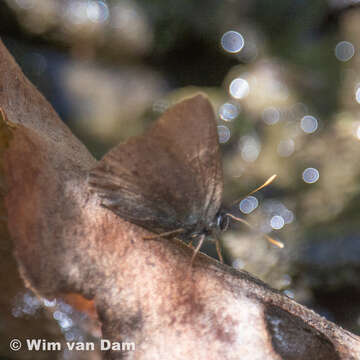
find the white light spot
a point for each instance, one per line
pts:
(309, 124)
(97, 11)
(58, 315)
(228, 112)
(238, 264)
(273, 206)
(357, 94)
(49, 303)
(77, 12)
(224, 134)
(310, 175)
(286, 147)
(239, 88)
(249, 204)
(277, 222)
(66, 323)
(344, 50)
(232, 42)
(69, 336)
(288, 216)
(271, 115)
(31, 300)
(286, 281)
(358, 132)
(250, 148)
(27, 304)
(66, 308)
(278, 333)
(289, 294)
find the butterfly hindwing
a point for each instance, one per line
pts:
(169, 178)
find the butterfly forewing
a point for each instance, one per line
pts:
(169, 178)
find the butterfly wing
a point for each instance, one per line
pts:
(169, 178)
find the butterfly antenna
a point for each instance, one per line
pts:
(266, 183)
(267, 237)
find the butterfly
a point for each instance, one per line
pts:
(169, 180)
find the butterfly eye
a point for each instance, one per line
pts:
(222, 222)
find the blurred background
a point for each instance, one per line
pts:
(284, 80)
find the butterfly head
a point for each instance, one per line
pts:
(221, 221)
(219, 224)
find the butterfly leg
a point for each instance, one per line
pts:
(191, 241)
(218, 250)
(218, 246)
(198, 246)
(158, 236)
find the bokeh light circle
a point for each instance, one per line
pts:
(309, 124)
(232, 42)
(310, 175)
(228, 112)
(223, 133)
(344, 51)
(249, 204)
(239, 88)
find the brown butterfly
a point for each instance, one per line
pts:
(170, 179)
